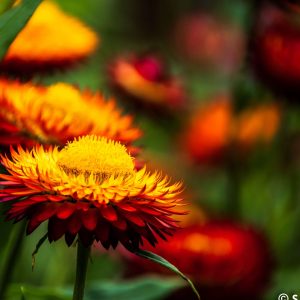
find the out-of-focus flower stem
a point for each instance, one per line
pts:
(83, 254)
(289, 161)
(233, 186)
(13, 249)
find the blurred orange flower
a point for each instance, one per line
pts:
(55, 114)
(90, 188)
(215, 127)
(50, 39)
(145, 79)
(257, 124)
(209, 131)
(223, 258)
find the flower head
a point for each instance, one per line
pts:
(208, 133)
(257, 124)
(215, 128)
(145, 79)
(223, 258)
(276, 51)
(50, 39)
(91, 189)
(59, 113)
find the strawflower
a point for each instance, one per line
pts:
(275, 51)
(225, 259)
(51, 39)
(215, 129)
(89, 189)
(146, 80)
(60, 112)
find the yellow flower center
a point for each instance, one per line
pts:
(98, 156)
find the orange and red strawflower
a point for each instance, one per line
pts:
(215, 128)
(145, 79)
(51, 39)
(90, 190)
(225, 259)
(57, 113)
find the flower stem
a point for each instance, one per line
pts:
(83, 254)
(12, 253)
(233, 187)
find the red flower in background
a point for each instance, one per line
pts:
(146, 80)
(215, 127)
(206, 40)
(276, 53)
(224, 259)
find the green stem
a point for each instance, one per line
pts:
(289, 160)
(233, 187)
(83, 254)
(12, 254)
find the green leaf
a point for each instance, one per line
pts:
(38, 293)
(13, 21)
(163, 262)
(145, 288)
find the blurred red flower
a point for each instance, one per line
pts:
(223, 258)
(276, 52)
(146, 79)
